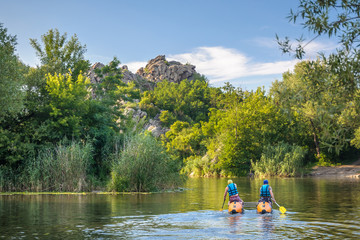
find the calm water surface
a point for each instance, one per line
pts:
(316, 208)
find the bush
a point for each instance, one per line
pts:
(197, 166)
(62, 168)
(324, 161)
(167, 118)
(143, 166)
(280, 160)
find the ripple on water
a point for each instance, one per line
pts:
(221, 225)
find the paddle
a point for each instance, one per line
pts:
(222, 205)
(282, 209)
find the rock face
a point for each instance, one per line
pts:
(94, 78)
(153, 125)
(159, 69)
(156, 70)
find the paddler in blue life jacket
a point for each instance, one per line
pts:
(231, 188)
(266, 193)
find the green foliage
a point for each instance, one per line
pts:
(69, 103)
(321, 93)
(143, 166)
(198, 166)
(11, 78)
(61, 167)
(323, 160)
(188, 100)
(332, 18)
(147, 104)
(281, 159)
(183, 140)
(243, 130)
(57, 55)
(167, 118)
(356, 141)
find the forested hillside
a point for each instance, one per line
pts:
(59, 131)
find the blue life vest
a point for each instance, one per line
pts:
(232, 189)
(264, 191)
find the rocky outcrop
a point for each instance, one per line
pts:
(128, 76)
(156, 70)
(153, 125)
(146, 78)
(94, 78)
(159, 69)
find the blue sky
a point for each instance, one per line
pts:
(228, 41)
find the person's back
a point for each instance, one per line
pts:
(231, 188)
(266, 193)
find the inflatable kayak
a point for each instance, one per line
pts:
(264, 207)
(236, 207)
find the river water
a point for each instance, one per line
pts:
(316, 208)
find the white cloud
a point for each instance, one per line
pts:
(225, 64)
(313, 48)
(134, 66)
(221, 64)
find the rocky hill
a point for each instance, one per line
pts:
(156, 70)
(159, 69)
(146, 78)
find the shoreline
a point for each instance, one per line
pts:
(343, 171)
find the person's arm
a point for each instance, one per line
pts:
(272, 194)
(226, 190)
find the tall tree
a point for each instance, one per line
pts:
(11, 76)
(335, 18)
(59, 55)
(243, 130)
(316, 93)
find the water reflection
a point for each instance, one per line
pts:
(317, 208)
(234, 223)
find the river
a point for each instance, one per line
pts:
(316, 208)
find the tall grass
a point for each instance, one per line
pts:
(62, 168)
(143, 166)
(197, 166)
(280, 160)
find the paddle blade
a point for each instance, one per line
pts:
(282, 209)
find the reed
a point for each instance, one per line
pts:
(61, 168)
(280, 160)
(143, 166)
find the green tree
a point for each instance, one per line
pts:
(11, 76)
(317, 93)
(69, 102)
(243, 130)
(58, 55)
(188, 100)
(335, 18)
(184, 140)
(12, 145)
